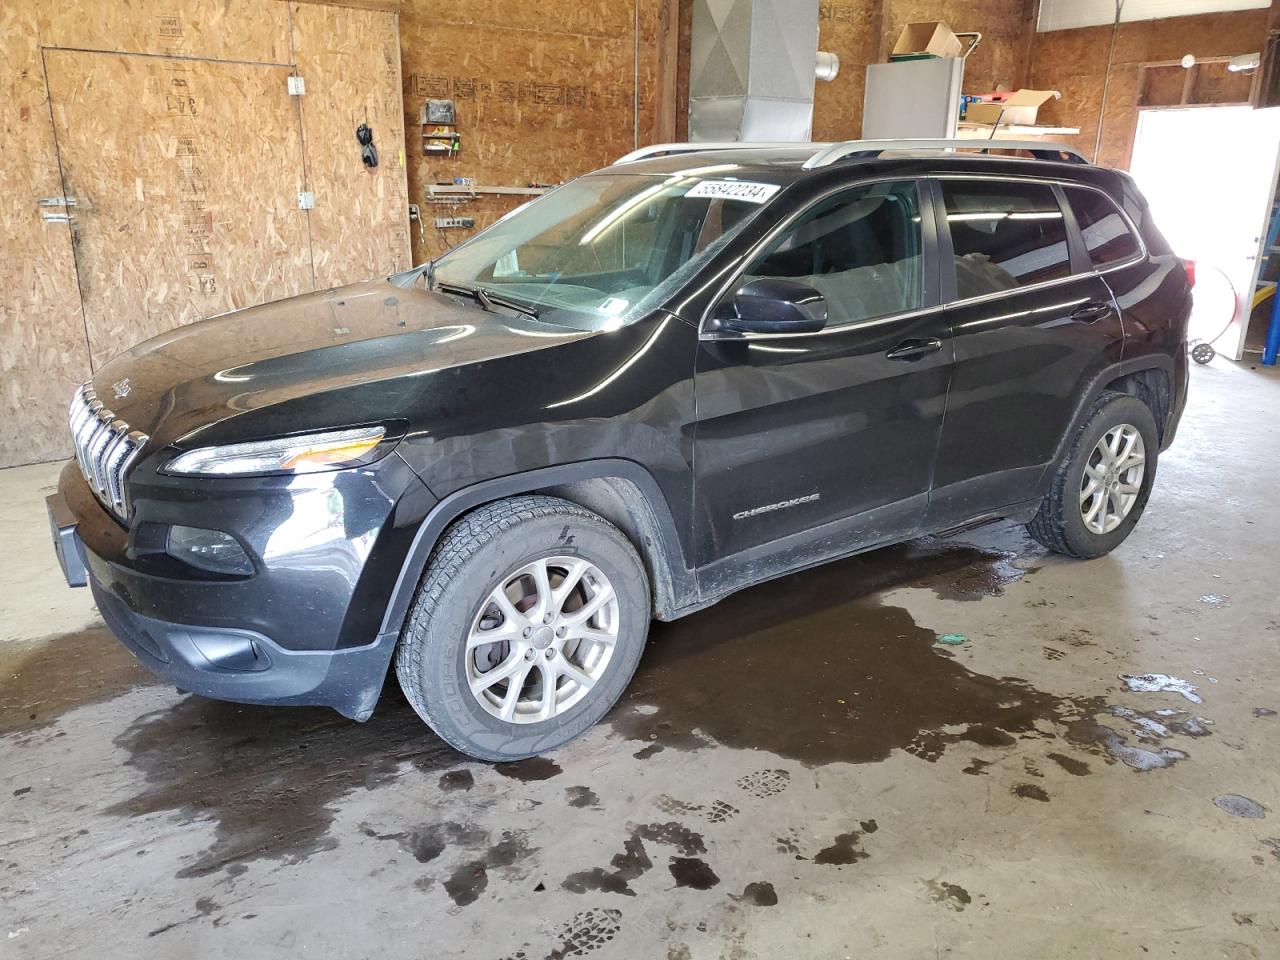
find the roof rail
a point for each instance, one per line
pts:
(828, 153)
(658, 149)
(873, 148)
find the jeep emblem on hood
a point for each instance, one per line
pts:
(121, 388)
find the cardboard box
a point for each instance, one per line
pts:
(928, 38)
(1019, 107)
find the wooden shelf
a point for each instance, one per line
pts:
(982, 131)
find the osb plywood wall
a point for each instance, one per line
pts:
(1075, 63)
(173, 127)
(42, 341)
(543, 92)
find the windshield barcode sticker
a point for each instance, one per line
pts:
(734, 190)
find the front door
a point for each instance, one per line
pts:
(809, 445)
(1030, 325)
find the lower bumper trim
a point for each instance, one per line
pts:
(247, 667)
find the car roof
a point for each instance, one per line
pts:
(785, 164)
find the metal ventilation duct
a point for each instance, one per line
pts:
(752, 66)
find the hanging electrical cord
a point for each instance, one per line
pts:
(1106, 82)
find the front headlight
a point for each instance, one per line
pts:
(310, 453)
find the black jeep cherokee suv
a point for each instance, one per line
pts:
(661, 383)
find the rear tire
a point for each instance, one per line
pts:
(1101, 488)
(527, 627)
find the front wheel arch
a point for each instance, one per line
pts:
(622, 491)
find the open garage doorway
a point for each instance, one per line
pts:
(1210, 175)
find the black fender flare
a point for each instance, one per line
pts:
(666, 556)
(1095, 389)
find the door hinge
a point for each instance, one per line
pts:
(306, 200)
(46, 205)
(297, 86)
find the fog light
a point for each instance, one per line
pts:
(210, 550)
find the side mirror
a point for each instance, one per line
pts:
(777, 306)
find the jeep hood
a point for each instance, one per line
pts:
(372, 334)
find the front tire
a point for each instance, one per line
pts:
(1101, 488)
(527, 627)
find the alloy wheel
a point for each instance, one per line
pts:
(542, 639)
(1112, 478)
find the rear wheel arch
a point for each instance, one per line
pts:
(1154, 387)
(620, 491)
(1127, 376)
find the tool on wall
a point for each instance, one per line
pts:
(368, 152)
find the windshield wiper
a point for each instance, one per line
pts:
(488, 299)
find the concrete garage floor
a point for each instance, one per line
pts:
(805, 770)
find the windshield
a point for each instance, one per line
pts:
(603, 250)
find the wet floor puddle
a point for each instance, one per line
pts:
(812, 667)
(816, 668)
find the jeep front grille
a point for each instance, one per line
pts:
(105, 449)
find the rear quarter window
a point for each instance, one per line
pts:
(1106, 232)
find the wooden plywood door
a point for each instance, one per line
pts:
(186, 175)
(350, 60)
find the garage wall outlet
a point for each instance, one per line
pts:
(445, 223)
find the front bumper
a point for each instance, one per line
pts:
(298, 631)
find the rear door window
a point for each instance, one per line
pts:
(1004, 235)
(1106, 232)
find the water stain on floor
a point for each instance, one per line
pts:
(42, 680)
(759, 894)
(268, 778)
(950, 895)
(814, 667)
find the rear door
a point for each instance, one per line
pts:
(1031, 321)
(810, 444)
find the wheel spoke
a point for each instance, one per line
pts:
(1115, 507)
(507, 668)
(1131, 440)
(1089, 490)
(508, 609)
(593, 635)
(1113, 440)
(571, 579)
(589, 609)
(1128, 489)
(507, 630)
(567, 669)
(1091, 517)
(550, 680)
(516, 684)
(1131, 461)
(542, 584)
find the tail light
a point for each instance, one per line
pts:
(1190, 267)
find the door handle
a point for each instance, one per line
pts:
(1091, 312)
(914, 349)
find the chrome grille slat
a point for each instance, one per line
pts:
(105, 450)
